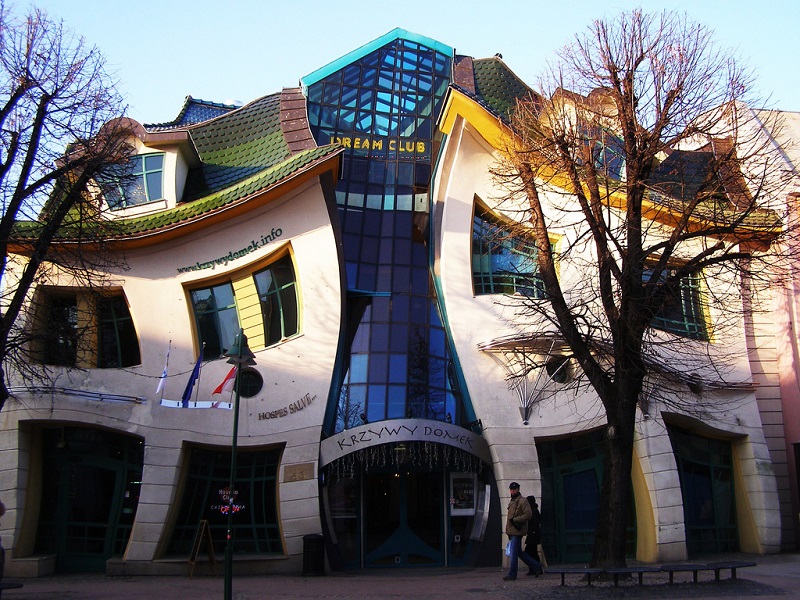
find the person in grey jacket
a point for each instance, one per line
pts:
(519, 513)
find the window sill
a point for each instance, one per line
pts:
(138, 210)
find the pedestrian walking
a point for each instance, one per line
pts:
(534, 538)
(519, 513)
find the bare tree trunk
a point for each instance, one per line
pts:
(615, 492)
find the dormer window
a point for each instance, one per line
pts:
(139, 181)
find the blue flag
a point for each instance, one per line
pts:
(187, 393)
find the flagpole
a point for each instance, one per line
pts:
(162, 384)
(199, 372)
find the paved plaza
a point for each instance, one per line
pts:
(773, 577)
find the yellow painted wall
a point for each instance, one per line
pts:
(646, 543)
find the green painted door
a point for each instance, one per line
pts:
(705, 468)
(572, 472)
(570, 498)
(90, 492)
(86, 533)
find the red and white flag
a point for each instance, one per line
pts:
(227, 383)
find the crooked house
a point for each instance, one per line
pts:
(347, 227)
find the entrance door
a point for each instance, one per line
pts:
(572, 471)
(87, 531)
(705, 468)
(90, 492)
(570, 497)
(403, 524)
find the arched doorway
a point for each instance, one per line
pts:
(404, 504)
(404, 513)
(90, 491)
(705, 468)
(572, 472)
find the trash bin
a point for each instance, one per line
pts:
(313, 554)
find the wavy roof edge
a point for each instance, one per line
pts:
(508, 87)
(193, 111)
(238, 193)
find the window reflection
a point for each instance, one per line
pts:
(381, 110)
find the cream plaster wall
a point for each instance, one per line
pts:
(465, 172)
(296, 368)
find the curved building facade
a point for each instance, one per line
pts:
(348, 229)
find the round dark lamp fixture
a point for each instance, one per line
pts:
(250, 383)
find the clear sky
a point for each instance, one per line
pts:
(224, 50)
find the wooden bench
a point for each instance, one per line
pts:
(9, 585)
(588, 571)
(731, 564)
(640, 571)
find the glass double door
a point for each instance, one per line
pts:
(403, 519)
(572, 474)
(90, 492)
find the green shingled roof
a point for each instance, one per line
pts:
(237, 146)
(242, 152)
(226, 195)
(498, 87)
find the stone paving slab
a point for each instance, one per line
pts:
(773, 578)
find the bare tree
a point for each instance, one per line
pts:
(636, 160)
(58, 130)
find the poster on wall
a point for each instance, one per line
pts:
(462, 494)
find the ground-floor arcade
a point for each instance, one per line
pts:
(404, 493)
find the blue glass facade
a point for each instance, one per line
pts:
(382, 108)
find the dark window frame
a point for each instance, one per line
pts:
(684, 313)
(134, 183)
(102, 339)
(277, 294)
(114, 334)
(210, 328)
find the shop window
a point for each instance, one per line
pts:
(215, 317)
(277, 292)
(82, 330)
(138, 181)
(256, 528)
(503, 263)
(682, 310)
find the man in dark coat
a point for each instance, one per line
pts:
(519, 513)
